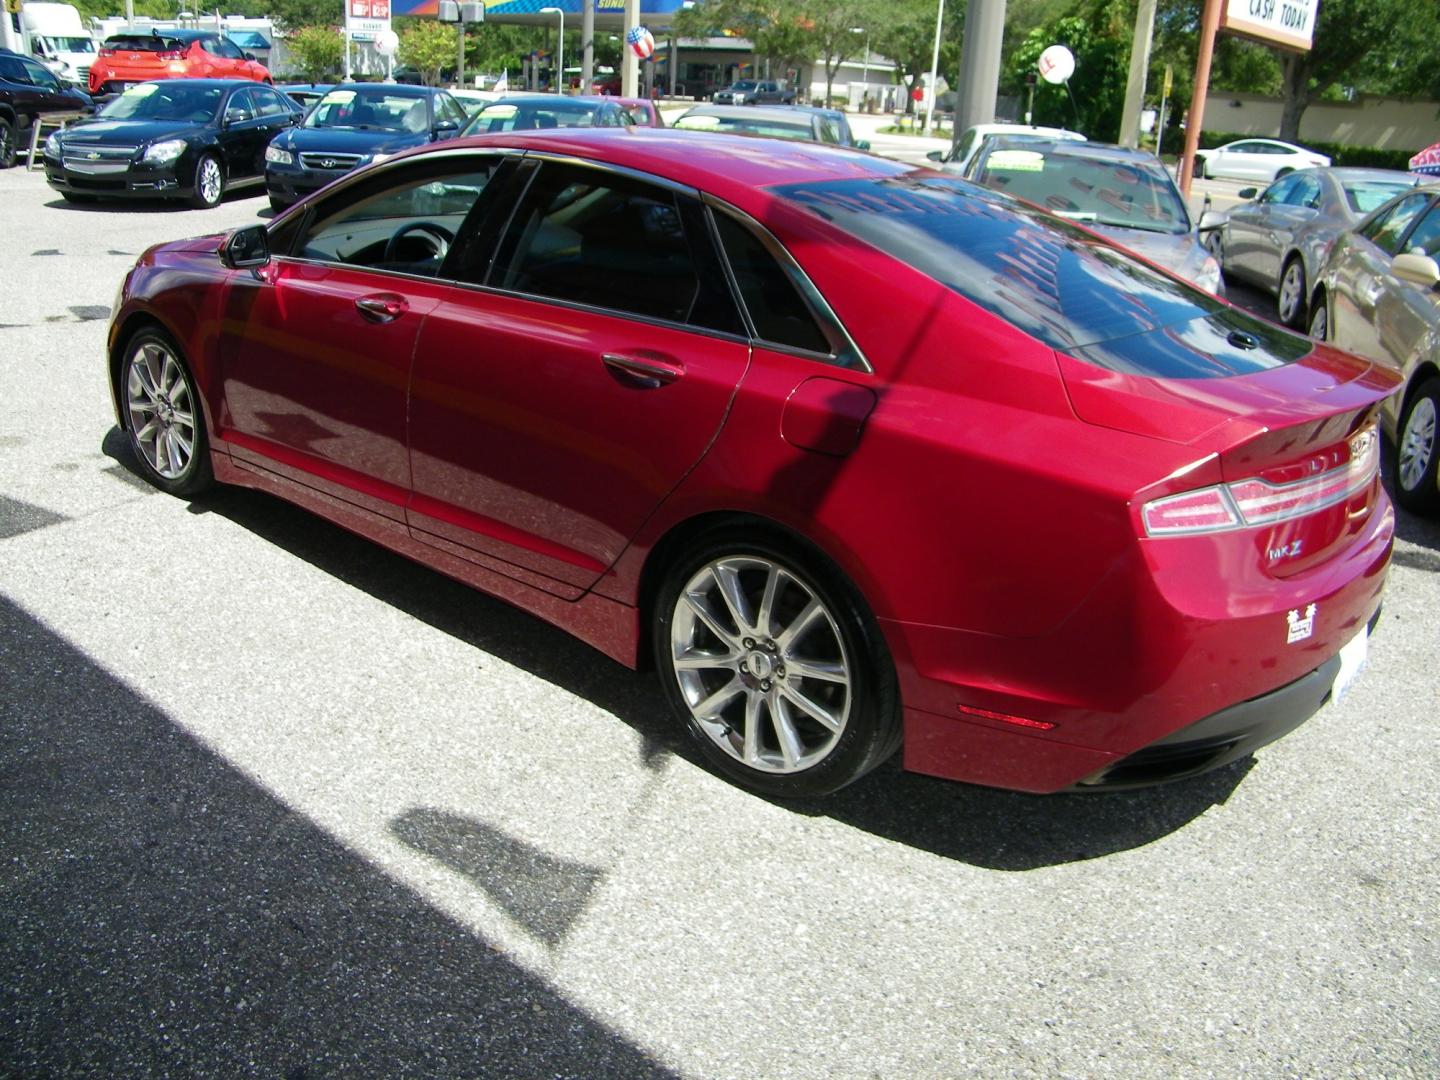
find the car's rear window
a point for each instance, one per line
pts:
(1064, 286)
(143, 43)
(1366, 195)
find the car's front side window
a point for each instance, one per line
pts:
(1386, 229)
(407, 226)
(1280, 191)
(1424, 239)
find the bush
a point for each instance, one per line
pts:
(1369, 157)
(317, 51)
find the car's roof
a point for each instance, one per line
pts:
(395, 89)
(727, 165)
(767, 112)
(1357, 172)
(1073, 148)
(553, 99)
(222, 84)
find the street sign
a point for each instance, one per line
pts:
(1289, 24)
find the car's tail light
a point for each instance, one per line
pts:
(107, 52)
(1259, 502)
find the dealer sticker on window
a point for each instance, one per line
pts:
(1352, 660)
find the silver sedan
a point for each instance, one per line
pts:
(1279, 240)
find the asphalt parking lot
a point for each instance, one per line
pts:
(278, 803)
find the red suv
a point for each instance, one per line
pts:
(170, 54)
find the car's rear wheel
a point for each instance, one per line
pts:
(1215, 245)
(162, 415)
(1319, 318)
(776, 667)
(1417, 456)
(7, 143)
(1197, 167)
(1290, 299)
(209, 183)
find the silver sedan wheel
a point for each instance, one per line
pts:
(1417, 444)
(1320, 321)
(208, 181)
(1291, 299)
(761, 664)
(161, 410)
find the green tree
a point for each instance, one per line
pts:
(318, 51)
(829, 32)
(906, 35)
(1098, 32)
(429, 46)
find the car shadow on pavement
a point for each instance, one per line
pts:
(167, 916)
(981, 826)
(145, 206)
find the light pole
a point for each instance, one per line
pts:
(934, 68)
(865, 67)
(559, 48)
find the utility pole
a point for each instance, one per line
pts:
(629, 62)
(587, 45)
(1209, 26)
(979, 64)
(1139, 68)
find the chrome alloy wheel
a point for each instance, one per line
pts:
(1292, 293)
(761, 664)
(208, 181)
(1417, 443)
(161, 411)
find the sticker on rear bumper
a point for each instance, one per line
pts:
(1300, 629)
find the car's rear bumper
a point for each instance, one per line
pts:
(1138, 687)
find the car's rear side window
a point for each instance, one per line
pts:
(778, 312)
(1056, 282)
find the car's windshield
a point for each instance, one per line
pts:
(510, 116)
(1098, 191)
(73, 44)
(1057, 283)
(745, 125)
(1366, 195)
(745, 84)
(165, 101)
(370, 109)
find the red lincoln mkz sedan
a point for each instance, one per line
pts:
(857, 454)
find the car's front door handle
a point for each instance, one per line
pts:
(644, 372)
(382, 307)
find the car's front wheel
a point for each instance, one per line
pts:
(209, 183)
(1417, 457)
(162, 414)
(775, 665)
(1319, 318)
(1290, 298)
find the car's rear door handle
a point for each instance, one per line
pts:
(382, 307)
(644, 372)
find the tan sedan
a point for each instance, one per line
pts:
(1379, 295)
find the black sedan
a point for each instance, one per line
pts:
(175, 138)
(353, 125)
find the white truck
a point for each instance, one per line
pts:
(59, 40)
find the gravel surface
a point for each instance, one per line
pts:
(277, 803)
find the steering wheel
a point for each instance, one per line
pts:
(439, 236)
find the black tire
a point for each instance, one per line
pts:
(157, 397)
(1197, 167)
(1417, 451)
(8, 151)
(1297, 317)
(279, 204)
(844, 639)
(209, 187)
(1318, 326)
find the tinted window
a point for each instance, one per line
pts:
(1425, 239)
(268, 102)
(591, 237)
(40, 76)
(1281, 190)
(1389, 226)
(143, 43)
(407, 227)
(1060, 285)
(216, 46)
(777, 311)
(240, 106)
(168, 100)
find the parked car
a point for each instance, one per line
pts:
(858, 453)
(305, 94)
(1279, 240)
(1255, 159)
(29, 90)
(472, 101)
(178, 139)
(1379, 296)
(521, 112)
(605, 84)
(769, 120)
(643, 112)
(353, 125)
(126, 59)
(957, 158)
(1127, 195)
(841, 123)
(754, 92)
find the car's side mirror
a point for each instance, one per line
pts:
(1248, 192)
(1210, 220)
(235, 116)
(247, 247)
(933, 155)
(864, 144)
(249, 55)
(1416, 268)
(445, 127)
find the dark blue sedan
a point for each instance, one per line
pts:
(353, 125)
